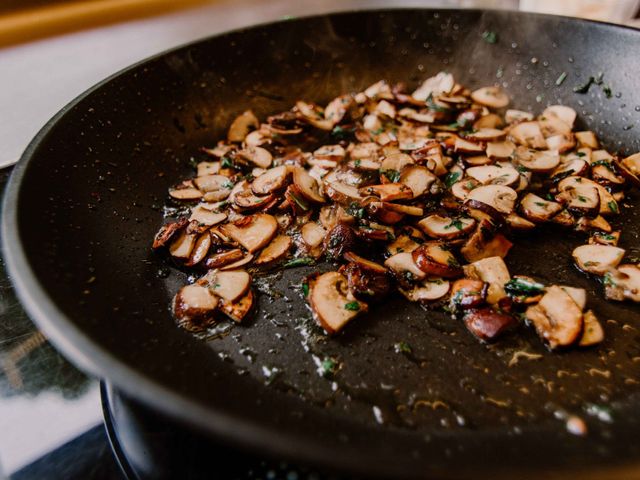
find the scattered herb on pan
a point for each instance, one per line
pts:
(490, 36)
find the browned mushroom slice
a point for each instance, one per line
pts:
(391, 213)
(403, 243)
(566, 115)
(337, 108)
(516, 222)
(385, 109)
(500, 150)
(537, 209)
(388, 191)
(486, 135)
(490, 120)
(330, 152)
(396, 162)
(341, 238)
(247, 200)
(419, 179)
(632, 163)
(403, 267)
(182, 246)
(605, 238)
(581, 196)
(364, 263)
(229, 285)
(597, 259)
(239, 309)
(477, 160)
(484, 243)
(513, 116)
(487, 324)
(623, 283)
(207, 168)
(565, 219)
(194, 307)
(276, 250)
(465, 146)
(468, 293)
(241, 126)
(438, 226)
(435, 260)
(307, 185)
(245, 260)
(494, 272)
(499, 197)
(492, 97)
(204, 216)
(528, 134)
(313, 115)
(592, 333)
(185, 191)
(461, 189)
(561, 143)
(252, 232)
(495, 174)
(428, 290)
(440, 84)
(168, 232)
(342, 193)
(537, 161)
(200, 249)
(380, 89)
(312, 235)
(219, 260)
(557, 318)
(571, 166)
(587, 139)
(603, 173)
(258, 156)
(586, 224)
(270, 181)
(420, 117)
(331, 303)
(215, 187)
(573, 184)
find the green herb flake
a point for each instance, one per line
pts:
(451, 178)
(561, 78)
(226, 162)
(228, 184)
(392, 175)
(522, 287)
(378, 131)
(352, 306)
(305, 289)
(581, 154)
(584, 88)
(607, 91)
(489, 36)
(540, 204)
(613, 206)
(299, 262)
(357, 162)
(433, 105)
(604, 163)
(402, 347)
(582, 198)
(591, 263)
(522, 168)
(608, 281)
(455, 222)
(328, 367)
(452, 262)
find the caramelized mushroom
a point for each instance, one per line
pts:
(331, 303)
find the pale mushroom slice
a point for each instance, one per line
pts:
(434, 259)
(342, 193)
(465, 146)
(500, 197)
(270, 181)
(380, 89)
(241, 126)
(477, 160)
(623, 283)
(252, 232)
(200, 249)
(581, 195)
(528, 134)
(245, 260)
(204, 216)
(182, 246)
(338, 107)
(428, 290)
(331, 303)
(396, 162)
(276, 250)
(603, 173)
(388, 191)
(493, 271)
(207, 168)
(495, 174)
(335, 153)
(492, 97)
(565, 114)
(484, 243)
(228, 285)
(597, 259)
(490, 120)
(516, 222)
(573, 185)
(247, 200)
(513, 116)
(222, 259)
(461, 189)
(438, 226)
(238, 309)
(578, 295)
(486, 135)
(538, 209)
(537, 161)
(420, 117)
(500, 150)
(571, 166)
(214, 187)
(403, 266)
(194, 306)
(306, 185)
(587, 139)
(405, 242)
(440, 84)
(312, 235)
(419, 179)
(314, 116)
(632, 163)
(592, 332)
(258, 156)
(561, 143)
(185, 191)
(557, 318)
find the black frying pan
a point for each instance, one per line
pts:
(84, 201)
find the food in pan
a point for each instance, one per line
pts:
(419, 193)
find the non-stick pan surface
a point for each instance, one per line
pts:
(85, 201)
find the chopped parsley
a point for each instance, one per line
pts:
(352, 306)
(355, 210)
(305, 289)
(433, 105)
(584, 88)
(402, 347)
(613, 206)
(392, 175)
(608, 281)
(455, 222)
(489, 36)
(228, 184)
(299, 262)
(540, 204)
(519, 287)
(607, 91)
(341, 133)
(561, 78)
(452, 262)
(328, 367)
(226, 162)
(582, 198)
(357, 162)
(581, 154)
(451, 178)
(606, 236)
(604, 163)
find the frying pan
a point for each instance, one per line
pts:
(85, 201)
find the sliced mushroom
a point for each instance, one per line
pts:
(339, 240)
(587, 139)
(335, 153)
(488, 324)
(238, 309)
(331, 303)
(205, 216)
(396, 162)
(207, 168)
(461, 189)
(586, 224)
(571, 186)
(342, 193)
(337, 108)
(597, 259)
(185, 192)
(623, 283)
(495, 174)
(537, 209)
(419, 179)
(574, 166)
(477, 160)
(312, 234)
(565, 114)
(528, 134)
(200, 249)
(215, 187)
(440, 84)
(485, 243)
(557, 318)
(275, 251)
(258, 156)
(228, 285)
(400, 208)
(241, 126)
(428, 290)
(247, 200)
(194, 307)
(492, 97)
(307, 185)
(513, 116)
(403, 243)
(435, 260)
(580, 194)
(604, 174)
(252, 232)
(222, 259)
(490, 120)
(438, 226)
(561, 143)
(465, 146)
(270, 181)
(499, 197)
(245, 260)
(578, 295)
(500, 150)
(380, 89)
(366, 279)
(388, 191)
(592, 333)
(313, 115)
(182, 246)
(494, 272)
(605, 238)
(468, 293)
(537, 161)
(486, 135)
(168, 232)
(404, 268)
(516, 222)
(632, 163)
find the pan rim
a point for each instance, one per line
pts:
(90, 356)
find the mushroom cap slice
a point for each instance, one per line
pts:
(484, 243)
(587, 139)
(342, 193)
(241, 126)
(402, 243)
(628, 280)
(516, 222)
(597, 259)
(403, 266)
(428, 290)
(461, 189)
(537, 161)
(435, 260)
(182, 246)
(557, 318)
(259, 156)
(222, 259)
(492, 97)
(495, 174)
(276, 250)
(312, 234)
(500, 150)
(388, 191)
(438, 226)
(215, 187)
(512, 116)
(468, 293)
(493, 271)
(228, 285)
(188, 193)
(465, 146)
(307, 185)
(565, 114)
(486, 135)
(204, 216)
(331, 304)
(440, 84)
(592, 332)
(528, 134)
(499, 197)
(252, 232)
(238, 309)
(194, 306)
(238, 263)
(364, 263)
(200, 249)
(167, 232)
(270, 181)
(537, 209)
(419, 179)
(487, 324)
